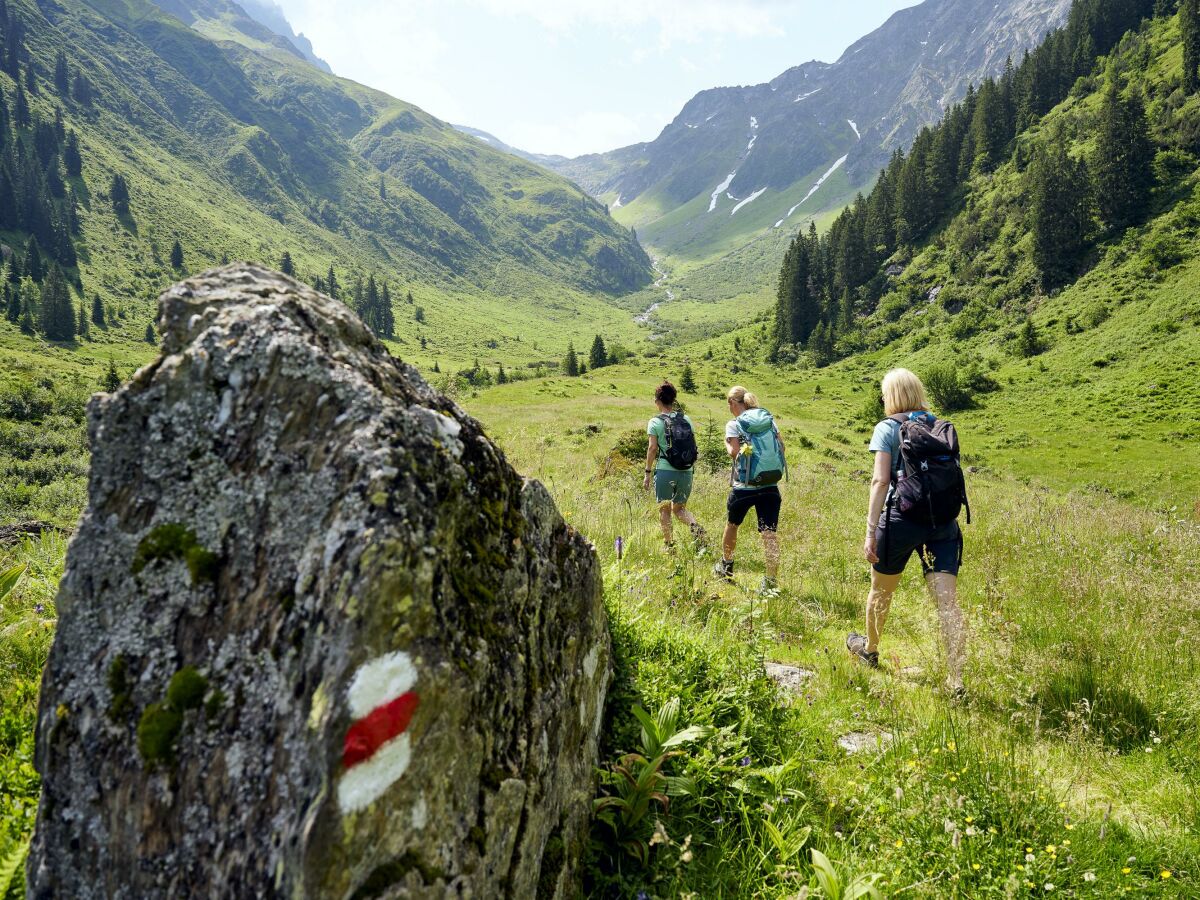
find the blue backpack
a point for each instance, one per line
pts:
(764, 465)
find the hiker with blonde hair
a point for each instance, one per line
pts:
(917, 491)
(756, 449)
(670, 458)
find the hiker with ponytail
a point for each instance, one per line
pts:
(756, 449)
(916, 494)
(670, 456)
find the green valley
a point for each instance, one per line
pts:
(1068, 364)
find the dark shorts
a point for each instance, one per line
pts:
(765, 501)
(938, 547)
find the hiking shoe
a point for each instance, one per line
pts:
(768, 586)
(857, 645)
(724, 569)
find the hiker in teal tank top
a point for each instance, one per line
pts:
(754, 482)
(672, 484)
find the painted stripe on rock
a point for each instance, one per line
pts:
(377, 750)
(379, 681)
(379, 726)
(365, 783)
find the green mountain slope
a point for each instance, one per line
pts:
(1096, 378)
(248, 153)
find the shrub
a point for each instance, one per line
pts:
(945, 388)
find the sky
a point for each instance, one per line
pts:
(573, 76)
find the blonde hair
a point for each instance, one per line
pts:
(743, 396)
(902, 392)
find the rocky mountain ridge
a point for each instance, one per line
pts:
(778, 144)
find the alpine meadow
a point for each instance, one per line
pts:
(335, 554)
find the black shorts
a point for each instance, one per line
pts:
(766, 502)
(938, 547)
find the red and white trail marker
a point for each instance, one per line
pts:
(377, 749)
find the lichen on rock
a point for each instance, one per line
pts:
(316, 637)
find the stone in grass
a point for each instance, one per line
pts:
(791, 678)
(858, 741)
(316, 637)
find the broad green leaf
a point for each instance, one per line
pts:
(689, 734)
(10, 865)
(681, 786)
(8, 580)
(826, 875)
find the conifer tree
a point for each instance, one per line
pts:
(82, 327)
(687, 381)
(286, 266)
(386, 314)
(81, 90)
(408, 298)
(436, 368)
(112, 380)
(419, 314)
(1189, 28)
(1028, 341)
(176, 255)
(1061, 213)
(33, 260)
(62, 75)
(27, 323)
(97, 311)
(119, 192)
(1122, 167)
(21, 117)
(571, 363)
(57, 312)
(501, 378)
(151, 337)
(331, 283)
(598, 357)
(12, 303)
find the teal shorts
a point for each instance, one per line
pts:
(671, 486)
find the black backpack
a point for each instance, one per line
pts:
(681, 450)
(930, 488)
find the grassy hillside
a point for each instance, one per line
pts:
(242, 155)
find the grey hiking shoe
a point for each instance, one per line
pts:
(724, 569)
(857, 645)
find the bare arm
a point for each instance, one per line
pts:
(880, 479)
(651, 457)
(733, 446)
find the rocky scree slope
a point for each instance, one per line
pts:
(316, 637)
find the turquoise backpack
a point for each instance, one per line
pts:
(765, 464)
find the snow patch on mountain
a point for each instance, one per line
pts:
(753, 122)
(850, 122)
(809, 94)
(750, 146)
(720, 187)
(812, 190)
(617, 202)
(749, 199)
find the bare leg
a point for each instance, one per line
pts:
(729, 540)
(683, 514)
(943, 587)
(664, 518)
(879, 602)
(770, 541)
